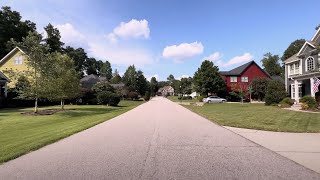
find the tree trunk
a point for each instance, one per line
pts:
(62, 104)
(36, 105)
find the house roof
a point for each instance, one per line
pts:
(10, 53)
(120, 85)
(91, 80)
(241, 69)
(3, 77)
(292, 58)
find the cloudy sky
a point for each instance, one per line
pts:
(174, 36)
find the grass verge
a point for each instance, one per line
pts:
(259, 116)
(21, 134)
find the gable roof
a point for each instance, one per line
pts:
(292, 58)
(241, 69)
(10, 53)
(316, 35)
(307, 43)
(3, 77)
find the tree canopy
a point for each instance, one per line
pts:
(53, 39)
(271, 64)
(293, 48)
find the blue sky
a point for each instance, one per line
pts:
(173, 37)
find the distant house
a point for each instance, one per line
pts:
(92, 79)
(303, 69)
(166, 91)
(243, 75)
(3, 85)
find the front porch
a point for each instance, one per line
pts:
(302, 87)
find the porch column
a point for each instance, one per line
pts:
(296, 91)
(311, 87)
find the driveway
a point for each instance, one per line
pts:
(303, 148)
(157, 140)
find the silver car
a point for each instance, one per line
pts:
(214, 99)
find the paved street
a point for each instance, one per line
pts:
(157, 140)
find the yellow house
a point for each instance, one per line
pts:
(15, 60)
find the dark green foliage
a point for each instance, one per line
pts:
(53, 39)
(272, 65)
(259, 87)
(133, 95)
(275, 92)
(103, 86)
(79, 57)
(106, 70)
(147, 96)
(293, 48)
(135, 80)
(12, 27)
(200, 98)
(186, 85)
(108, 98)
(170, 79)
(153, 86)
(309, 101)
(88, 96)
(91, 65)
(184, 97)
(286, 102)
(207, 79)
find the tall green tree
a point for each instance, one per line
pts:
(259, 87)
(62, 79)
(106, 70)
(79, 57)
(171, 79)
(207, 79)
(293, 48)
(116, 79)
(271, 64)
(275, 92)
(38, 63)
(53, 39)
(129, 78)
(141, 83)
(12, 27)
(186, 85)
(91, 66)
(153, 86)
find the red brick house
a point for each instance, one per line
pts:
(243, 75)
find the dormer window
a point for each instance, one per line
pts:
(310, 64)
(18, 60)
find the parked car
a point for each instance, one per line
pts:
(214, 99)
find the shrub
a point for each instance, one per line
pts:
(308, 102)
(108, 98)
(147, 96)
(133, 95)
(200, 98)
(275, 92)
(286, 102)
(103, 86)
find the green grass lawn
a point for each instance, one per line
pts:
(21, 134)
(259, 116)
(175, 99)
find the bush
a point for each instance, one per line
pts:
(308, 102)
(108, 98)
(275, 92)
(133, 95)
(200, 98)
(147, 96)
(286, 102)
(87, 96)
(103, 86)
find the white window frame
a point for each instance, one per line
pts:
(233, 79)
(18, 60)
(307, 64)
(293, 91)
(295, 68)
(244, 79)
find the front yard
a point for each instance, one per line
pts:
(259, 116)
(175, 99)
(21, 134)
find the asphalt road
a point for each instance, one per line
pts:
(157, 140)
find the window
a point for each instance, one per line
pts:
(310, 63)
(18, 60)
(244, 79)
(293, 91)
(297, 66)
(300, 90)
(233, 79)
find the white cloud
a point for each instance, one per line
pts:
(246, 57)
(132, 29)
(70, 35)
(214, 57)
(156, 76)
(120, 55)
(183, 51)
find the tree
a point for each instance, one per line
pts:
(275, 92)
(53, 39)
(12, 27)
(259, 87)
(129, 78)
(116, 79)
(186, 85)
(38, 63)
(207, 79)
(106, 70)
(293, 48)
(271, 64)
(91, 66)
(141, 85)
(239, 90)
(62, 79)
(154, 86)
(79, 57)
(171, 79)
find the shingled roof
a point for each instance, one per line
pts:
(241, 69)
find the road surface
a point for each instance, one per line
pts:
(157, 140)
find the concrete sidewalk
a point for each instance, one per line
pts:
(303, 148)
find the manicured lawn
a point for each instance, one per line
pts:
(175, 99)
(20, 134)
(259, 116)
